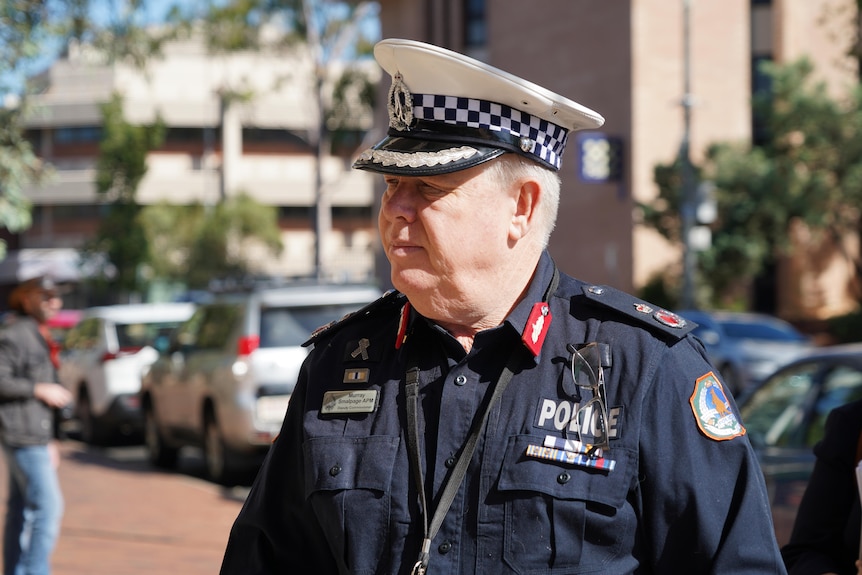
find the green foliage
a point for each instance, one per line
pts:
(808, 170)
(123, 150)
(30, 30)
(121, 166)
(657, 292)
(23, 26)
(194, 244)
(846, 328)
(18, 166)
(239, 25)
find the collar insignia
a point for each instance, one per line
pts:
(537, 327)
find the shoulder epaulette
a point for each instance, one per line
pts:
(645, 313)
(392, 299)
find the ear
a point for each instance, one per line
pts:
(526, 210)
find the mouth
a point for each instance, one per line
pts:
(402, 247)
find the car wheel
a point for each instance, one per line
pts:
(92, 430)
(159, 452)
(218, 459)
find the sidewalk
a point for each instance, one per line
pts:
(123, 518)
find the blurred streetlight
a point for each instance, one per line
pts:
(688, 205)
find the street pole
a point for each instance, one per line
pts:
(688, 203)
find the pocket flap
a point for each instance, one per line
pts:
(333, 463)
(523, 473)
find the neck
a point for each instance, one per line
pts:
(484, 308)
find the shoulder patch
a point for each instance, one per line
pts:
(647, 314)
(392, 299)
(712, 410)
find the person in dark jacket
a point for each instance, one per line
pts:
(495, 415)
(29, 394)
(825, 537)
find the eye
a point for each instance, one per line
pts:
(431, 190)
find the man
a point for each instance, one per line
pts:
(28, 395)
(494, 415)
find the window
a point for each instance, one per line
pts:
(475, 24)
(841, 385)
(78, 134)
(282, 327)
(217, 325)
(85, 335)
(775, 412)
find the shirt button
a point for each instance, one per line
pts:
(445, 547)
(450, 463)
(563, 478)
(335, 470)
(461, 380)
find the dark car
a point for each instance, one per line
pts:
(785, 416)
(746, 347)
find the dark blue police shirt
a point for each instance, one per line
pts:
(337, 494)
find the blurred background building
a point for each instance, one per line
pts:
(627, 60)
(664, 73)
(261, 145)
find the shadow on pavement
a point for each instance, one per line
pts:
(133, 459)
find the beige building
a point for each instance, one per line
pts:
(627, 60)
(262, 145)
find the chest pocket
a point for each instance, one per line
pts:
(561, 518)
(348, 482)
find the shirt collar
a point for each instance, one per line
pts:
(520, 316)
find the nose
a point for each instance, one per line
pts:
(399, 201)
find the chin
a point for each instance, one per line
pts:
(412, 282)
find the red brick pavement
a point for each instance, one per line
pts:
(123, 518)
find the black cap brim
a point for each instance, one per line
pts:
(418, 157)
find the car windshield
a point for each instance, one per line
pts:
(138, 335)
(753, 330)
(290, 326)
(775, 410)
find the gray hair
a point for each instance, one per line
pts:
(513, 167)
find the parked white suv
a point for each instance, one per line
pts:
(226, 379)
(102, 361)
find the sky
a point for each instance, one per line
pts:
(103, 11)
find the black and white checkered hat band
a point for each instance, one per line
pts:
(546, 140)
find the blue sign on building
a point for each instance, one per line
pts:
(600, 157)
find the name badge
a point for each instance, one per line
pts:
(355, 401)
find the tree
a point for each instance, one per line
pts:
(332, 33)
(195, 244)
(808, 171)
(31, 31)
(121, 166)
(23, 25)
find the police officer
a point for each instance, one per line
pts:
(495, 415)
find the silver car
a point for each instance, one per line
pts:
(102, 360)
(746, 347)
(224, 382)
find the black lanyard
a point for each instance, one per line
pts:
(460, 469)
